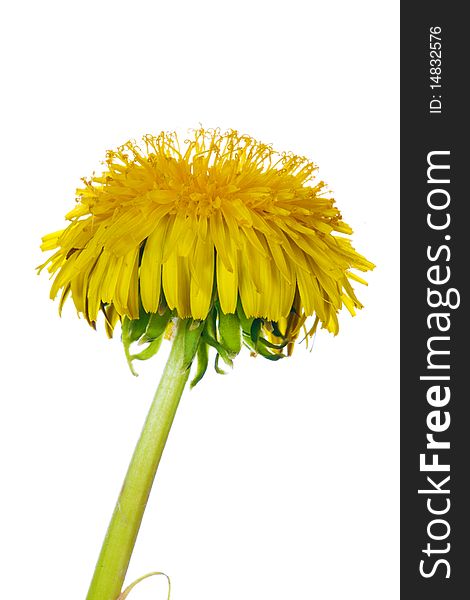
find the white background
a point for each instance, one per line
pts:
(279, 480)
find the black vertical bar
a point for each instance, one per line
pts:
(435, 257)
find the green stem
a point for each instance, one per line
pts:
(118, 544)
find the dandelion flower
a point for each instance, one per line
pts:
(219, 239)
(220, 221)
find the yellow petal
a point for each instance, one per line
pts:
(202, 278)
(151, 267)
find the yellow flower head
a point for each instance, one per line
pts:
(219, 223)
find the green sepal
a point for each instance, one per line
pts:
(192, 338)
(244, 321)
(216, 366)
(210, 324)
(264, 352)
(260, 347)
(276, 330)
(230, 334)
(156, 325)
(149, 327)
(133, 329)
(269, 344)
(209, 335)
(202, 362)
(255, 330)
(220, 349)
(149, 351)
